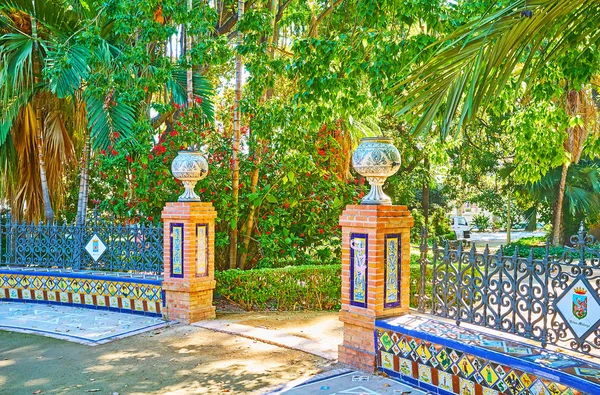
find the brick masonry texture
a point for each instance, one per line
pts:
(358, 348)
(189, 298)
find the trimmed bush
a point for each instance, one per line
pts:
(305, 287)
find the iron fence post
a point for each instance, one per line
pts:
(422, 300)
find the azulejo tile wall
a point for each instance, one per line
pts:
(486, 365)
(123, 294)
(359, 269)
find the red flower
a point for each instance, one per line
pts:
(114, 153)
(321, 231)
(159, 149)
(198, 100)
(286, 205)
(104, 152)
(150, 218)
(321, 152)
(150, 156)
(173, 133)
(116, 135)
(129, 159)
(177, 106)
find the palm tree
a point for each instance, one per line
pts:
(31, 124)
(474, 64)
(45, 116)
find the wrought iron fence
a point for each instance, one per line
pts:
(101, 244)
(554, 299)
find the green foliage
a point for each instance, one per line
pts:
(482, 222)
(310, 287)
(289, 288)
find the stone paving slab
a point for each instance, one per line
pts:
(80, 325)
(345, 381)
(271, 336)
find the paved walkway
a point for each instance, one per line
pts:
(277, 337)
(81, 325)
(93, 327)
(339, 381)
(345, 381)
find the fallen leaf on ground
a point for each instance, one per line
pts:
(37, 392)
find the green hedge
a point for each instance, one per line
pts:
(307, 287)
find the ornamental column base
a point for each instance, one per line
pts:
(189, 280)
(375, 276)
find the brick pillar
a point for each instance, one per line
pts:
(375, 276)
(189, 257)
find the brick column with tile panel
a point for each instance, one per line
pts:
(189, 258)
(375, 276)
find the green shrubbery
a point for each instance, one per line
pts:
(538, 246)
(305, 287)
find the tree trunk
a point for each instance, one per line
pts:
(190, 72)
(83, 183)
(531, 219)
(39, 127)
(557, 215)
(249, 225)
(235, 169)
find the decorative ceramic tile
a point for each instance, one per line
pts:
(151, 307)
(139, 305)
(466, 367)
(425, 374)
(406, 367)
(126, 303)
(489, 391)
(359, 272)
(445, 380)
(176, 250)
(202, 250)
(387, 360)
(444, 359)
(66, 290)
(489, 375)
(466, 387)
(386, 341)
(51, 295)
(423, 353)
(476, 372)
(392, 259)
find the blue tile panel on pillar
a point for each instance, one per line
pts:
(393, 259)
(359, 269)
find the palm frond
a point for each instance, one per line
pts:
(69, 69)
(177, 86)
(473, 65)
(105, 118)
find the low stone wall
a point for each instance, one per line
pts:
(126, 293)
(447, 359)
